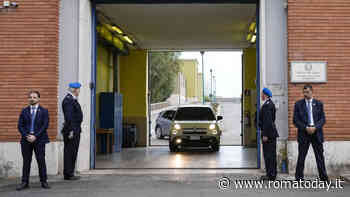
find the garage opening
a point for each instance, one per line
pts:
(183, 84)
(126, 119)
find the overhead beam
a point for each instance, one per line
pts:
(175, 1)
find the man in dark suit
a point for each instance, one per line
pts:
(309, 118)
(32, 124)
(73, 117)
(267, 117)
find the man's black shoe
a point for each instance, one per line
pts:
(45, 185)
(72, 178)
(22, 186)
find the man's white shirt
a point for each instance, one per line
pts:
(307, 107)
(34, 109)
(72, 95)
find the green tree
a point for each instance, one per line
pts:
(164, 68)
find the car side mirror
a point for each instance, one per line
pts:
(220, 118)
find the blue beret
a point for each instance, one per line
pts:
(267, 92)
(75, 85)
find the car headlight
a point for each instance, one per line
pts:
(174, 132)
(212, 126)
(177, 126)
(214, 132)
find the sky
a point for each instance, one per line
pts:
(227, 69)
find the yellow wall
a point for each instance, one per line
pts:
(249, 60)
(133, 86)
(104, 76)
(249, 100)
(190, 69)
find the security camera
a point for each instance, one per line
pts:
(6, 4)
(14, 4)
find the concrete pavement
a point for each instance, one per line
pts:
(160, 157)
(231, 134)
(152, 185)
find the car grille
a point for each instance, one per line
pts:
(194, 131)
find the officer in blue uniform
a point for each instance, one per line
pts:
(73, 117)
(32, 124)
(267, 117)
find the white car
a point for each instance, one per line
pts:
(195, 126)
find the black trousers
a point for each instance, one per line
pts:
(303, 148)
(27, 154)
(71, 147)
(269, 151)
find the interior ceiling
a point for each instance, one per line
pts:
(183, 26)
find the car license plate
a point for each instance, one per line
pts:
(195, 137)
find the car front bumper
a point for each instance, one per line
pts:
(203, 141)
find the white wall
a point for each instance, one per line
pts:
(179, 94)
(274, 64)
(174, 100)
(274, 58)
(68, 52)
(83, 161)
(11, 161)
(75, 65)
(336, 159)
(68, 60)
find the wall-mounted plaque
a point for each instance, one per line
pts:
(308, 72)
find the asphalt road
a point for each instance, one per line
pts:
(175, 185)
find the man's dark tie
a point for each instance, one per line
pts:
(309, 112)
(33, 113)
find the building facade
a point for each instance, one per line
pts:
(46, 45)
(189, 68)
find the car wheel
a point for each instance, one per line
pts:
(159, 133)
(216, 147)
(172, 148)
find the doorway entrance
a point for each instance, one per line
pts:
(146, 23)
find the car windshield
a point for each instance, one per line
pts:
(194, 113)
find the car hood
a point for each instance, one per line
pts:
(194, 123)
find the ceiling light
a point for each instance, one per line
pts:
(117, 29)
(253, 39)
(126, 38)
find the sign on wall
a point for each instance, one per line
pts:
(308, 72)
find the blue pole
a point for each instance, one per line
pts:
(258, 78)
(93, 86)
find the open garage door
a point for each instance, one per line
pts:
(145, 26)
